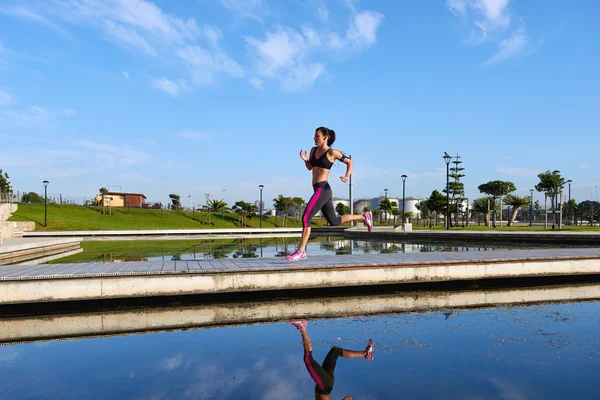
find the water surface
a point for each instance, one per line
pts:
(529, 352)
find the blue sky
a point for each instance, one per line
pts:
(219, 96)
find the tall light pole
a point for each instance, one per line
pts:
(385, 190)
(45, 203)
(260, 206)
(531, 209)
(403, 200)
(447, 159)
(569, 182)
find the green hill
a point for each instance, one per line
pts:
(73, 217)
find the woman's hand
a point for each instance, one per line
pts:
(344, 178)
(304, 155)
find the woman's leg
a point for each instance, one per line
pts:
(323, 380)
(313, 206)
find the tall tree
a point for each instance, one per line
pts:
(552, 184)
(424, 211)
(497, 189)
(298, 205)
(5, 185)
(175, 201)
(103, 192)
(284, 205)
(456, 187)
(570, 211)
(515, 202)
(244, 210)
(386, 206)
(482, 207)
(32, 197)
(437, 203)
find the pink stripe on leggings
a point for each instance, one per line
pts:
(312, 372)
(311, 204)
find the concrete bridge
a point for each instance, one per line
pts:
(21, 284)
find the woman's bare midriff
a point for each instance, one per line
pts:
(319, 175)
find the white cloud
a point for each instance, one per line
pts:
(286, 55)
(490, 20)
(257, 83)
(584, 166)
(509, 48)
(142, 27)
(168, 86)
(125, 74)
(172, 363)
(323, 14)
(5, 99)
(191, 135)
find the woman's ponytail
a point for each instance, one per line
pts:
(330, 133)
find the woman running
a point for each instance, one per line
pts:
(322, 157)
(323, 374)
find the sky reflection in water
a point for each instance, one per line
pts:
(533, 352)
(249, 248)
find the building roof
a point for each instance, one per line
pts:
(126, 194)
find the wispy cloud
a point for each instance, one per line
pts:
(287, 55)
(489, 21)
(192, 135)
(141, 27)
(584, 166)
(172, 363)
(125, 74)
(5, 99)
(515, 45)
(168, 86)
(35, 116)
(110, 155)
(254, 9)
(26, 14)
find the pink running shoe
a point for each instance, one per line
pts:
(298, 324)
(369, 350)
(297, 256)
(368, 220)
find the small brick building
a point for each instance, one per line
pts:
(119, 199)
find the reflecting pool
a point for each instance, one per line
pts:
(548, 351)
(169, 250)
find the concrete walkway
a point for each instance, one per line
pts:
(171, 234)
(145, 320)
(37, 250)
(95, 281)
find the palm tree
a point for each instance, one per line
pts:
(480, 207)
(515, 202)
(103, 192)
(216, 205)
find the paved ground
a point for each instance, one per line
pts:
(145, 268)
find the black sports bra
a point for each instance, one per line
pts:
(321, 162)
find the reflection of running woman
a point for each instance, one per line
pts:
(323, 374)
(322, 157)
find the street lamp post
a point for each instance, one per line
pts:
(260, 206)
(45, 203)
(531, 209)
(447, 159)
(403, 200)
(569, 182)
(385, 190)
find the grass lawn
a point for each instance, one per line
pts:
(73, 217)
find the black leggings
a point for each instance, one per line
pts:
(323, 374)
(321, 200)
